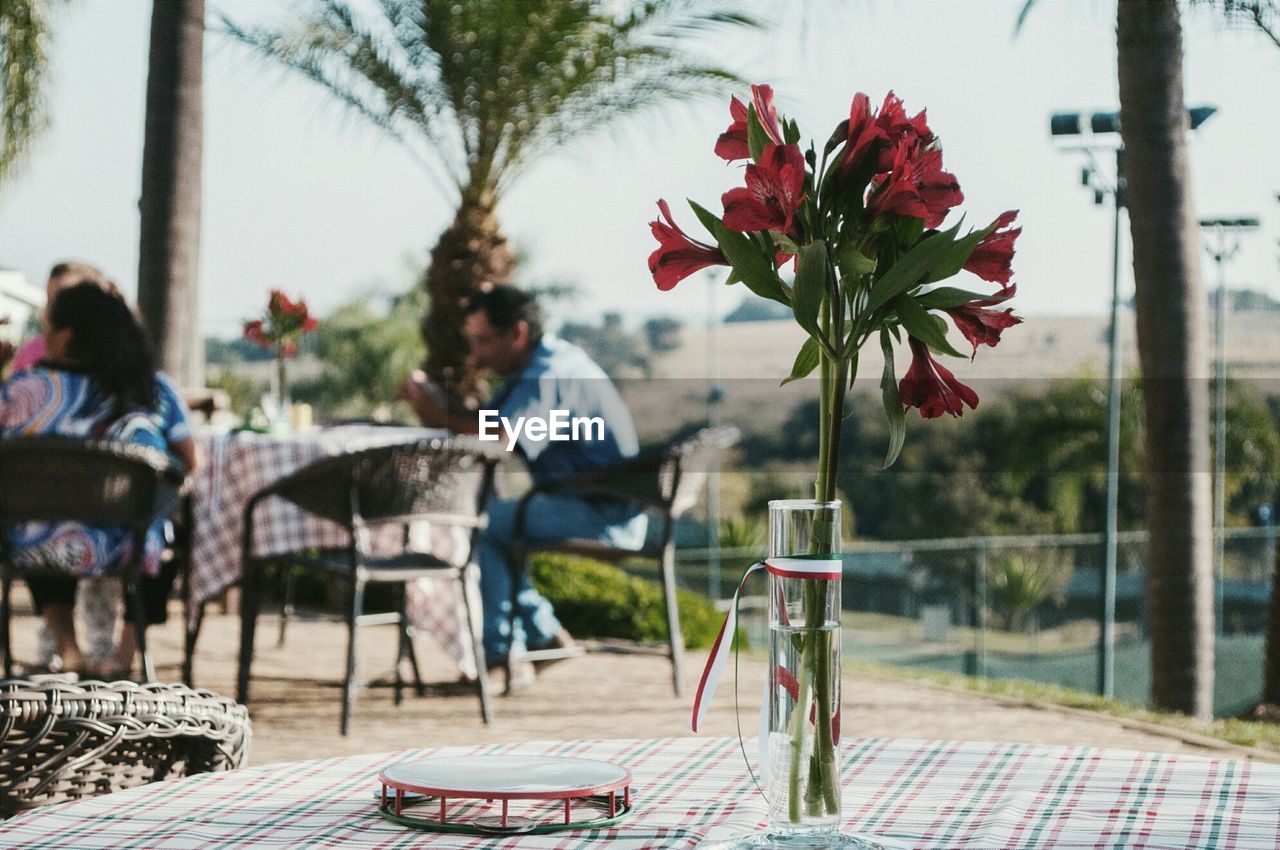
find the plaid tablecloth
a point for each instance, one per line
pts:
(237, 465)
(922, 794)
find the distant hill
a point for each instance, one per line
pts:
(758, 310)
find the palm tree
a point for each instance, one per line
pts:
(1172, 348)
(477, 89)
(169, 238)
(24, 37)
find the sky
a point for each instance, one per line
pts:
(300, 195)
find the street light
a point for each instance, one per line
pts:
(1103, 131)
(1223, 246)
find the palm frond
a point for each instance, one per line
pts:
(363, 72)
(481, 86)
(1262, 15)
(24, 41)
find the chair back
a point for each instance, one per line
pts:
(690, 464)
(667, 478)
(97, 482)
(445, 480)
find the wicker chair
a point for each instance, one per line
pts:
(96, 482)
(446, 482)
(63, 741)
(665, 482)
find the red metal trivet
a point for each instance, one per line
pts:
(462, 790)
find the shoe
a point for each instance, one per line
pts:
(523, 674)
(562, 643)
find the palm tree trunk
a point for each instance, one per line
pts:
(1271, 671)
(1173, 352)
(469, 254)
(169, 243)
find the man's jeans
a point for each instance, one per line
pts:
(547, 519)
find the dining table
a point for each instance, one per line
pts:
(237, 464)
(689, 792)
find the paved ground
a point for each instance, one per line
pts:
(296, 693)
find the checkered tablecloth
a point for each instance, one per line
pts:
(925, 794)
(239, 464)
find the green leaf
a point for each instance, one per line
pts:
(911, 268)
(806, 361)
(923, 325)
(948, 296)
(757, 138)
(892, 402)
(749, 264)
(958, 255)
(810, 285)
(790, 132)
(853, 262)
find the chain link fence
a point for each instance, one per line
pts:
(1022, 608)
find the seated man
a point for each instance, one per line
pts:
(541, 374)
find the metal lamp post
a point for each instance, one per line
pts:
(1103, 134)
(1222, 242)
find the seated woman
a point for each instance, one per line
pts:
(97, 380)
(98, 601)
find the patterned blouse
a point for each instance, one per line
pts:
(44, 401)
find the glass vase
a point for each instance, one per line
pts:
(802, 707)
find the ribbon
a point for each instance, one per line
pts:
(827, 567)
(824, 567)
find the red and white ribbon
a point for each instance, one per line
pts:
(805, 568)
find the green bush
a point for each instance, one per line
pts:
(594, 599)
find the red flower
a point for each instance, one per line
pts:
(773, 193)
(864, 133)
(992, 259)
(981, 326)
(762, 97)
(898, 128)
(279, 303)
(732, 144)
(678, 256)
(931, 387)
(253, 333)
(880, 135)
(288, 348)
(309, 324)
(939, 190)
(916, 186)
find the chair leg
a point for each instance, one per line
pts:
(286, 607)
(248, 622)
(472, 603)
(133, 590)
(348, 687)
(193, 620)
(6, 629)
(407, 648)
(673, 616)
(401, 643)
(518, 556)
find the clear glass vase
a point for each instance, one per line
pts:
(803, 705)
(804, 667)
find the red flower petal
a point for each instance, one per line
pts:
(677, 255)
(931, 387)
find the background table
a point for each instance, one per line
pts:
(919, 793)
(239, 464)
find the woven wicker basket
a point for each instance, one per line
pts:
(63, 741)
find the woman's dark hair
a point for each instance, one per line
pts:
(108, 342)
(504, 306)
